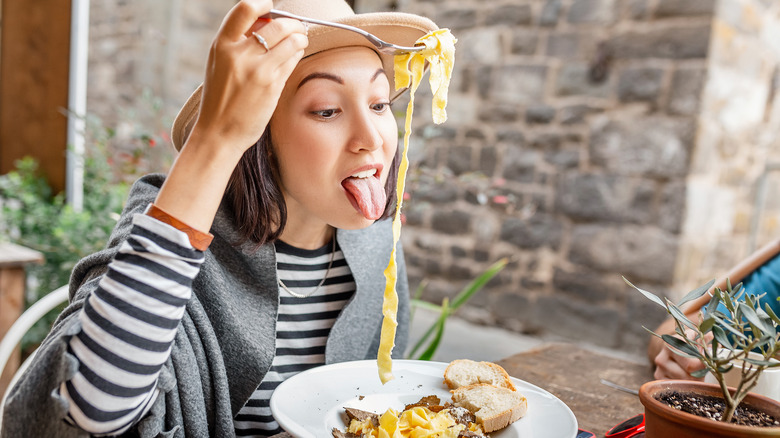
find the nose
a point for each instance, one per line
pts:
(366, 131)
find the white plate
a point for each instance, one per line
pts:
(311, 404)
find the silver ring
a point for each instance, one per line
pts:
(261, 40)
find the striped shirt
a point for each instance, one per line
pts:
(128, 325)
(303, 325)
(127, 328)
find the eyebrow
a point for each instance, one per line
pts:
(334, 78)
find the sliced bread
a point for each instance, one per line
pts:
(463, 372)
(495, 407)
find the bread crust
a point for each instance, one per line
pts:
(476, 372)
(464, 396)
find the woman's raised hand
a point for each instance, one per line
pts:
(244, 79)
(242, 87)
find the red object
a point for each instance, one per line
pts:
(628, 428)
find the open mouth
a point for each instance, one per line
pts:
(365, 193)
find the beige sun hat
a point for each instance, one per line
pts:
(394, 27)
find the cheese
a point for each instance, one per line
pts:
(417, 422)
(439, 52)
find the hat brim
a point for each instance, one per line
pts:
(394, 27)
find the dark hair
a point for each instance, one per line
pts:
(256, 199)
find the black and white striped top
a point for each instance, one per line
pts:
(302, 328)
(130, 321)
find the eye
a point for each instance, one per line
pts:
(326, 114)
(380, 107)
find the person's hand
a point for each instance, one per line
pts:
(669, 365)
(244, 80)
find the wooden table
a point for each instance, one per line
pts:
(573, 374)
(13, 259)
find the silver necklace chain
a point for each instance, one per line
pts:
(330, 264)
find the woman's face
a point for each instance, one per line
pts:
(335, 138)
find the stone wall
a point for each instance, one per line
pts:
(733, 185)
(146, 50)
(571, 133)
(588, 139)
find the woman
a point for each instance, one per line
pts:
(252, 260)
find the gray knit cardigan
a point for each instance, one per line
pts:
(225, 342)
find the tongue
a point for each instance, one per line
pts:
(369, 195)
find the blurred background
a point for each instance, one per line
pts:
(587, 140)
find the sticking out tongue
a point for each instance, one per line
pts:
(369, 195)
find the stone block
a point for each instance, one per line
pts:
(669, 41)
(524, 42)
(442, 192)
(588, 285)
(645, 253)
(488, 160)
(519, 163)
(540, 230)
(511, 306)
(640, 84)
(539, 114)
(550, 13)
(577, 320)
(687, 8)
(574, 80)
(461, 18)
(608, 198)
(546, 141)
(499, 112)
(481, 45)
(672, 211)
(563, 45)
(514, 137)
(686, 93)
(575, 114)
(563, 159)
(637, 9)
(646, 146)
(518, 84)
(510, 14)
(592, 12)
(459, 159)
(451, 221)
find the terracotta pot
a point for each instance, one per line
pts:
(663, 421)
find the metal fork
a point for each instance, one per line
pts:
(382, 46)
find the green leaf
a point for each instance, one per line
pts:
(700, 373)
(439, 326)
(649, 295)
(478, 283)
(681, 347)
(696, 293)
(721, 337)
(725, 325)
(707, 325)
(425, 305)
(680, 316)
(771, 314)
(750, 314)
(712, 306)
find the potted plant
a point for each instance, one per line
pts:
(722, 336)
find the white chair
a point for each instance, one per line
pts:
(22, 325)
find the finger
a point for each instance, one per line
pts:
(242, 17)
(277, 30)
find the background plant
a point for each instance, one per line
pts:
(721, 338)
(32, 215)
(432, 337)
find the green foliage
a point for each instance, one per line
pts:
(435, 332)
(33, 216)
(722, 339)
